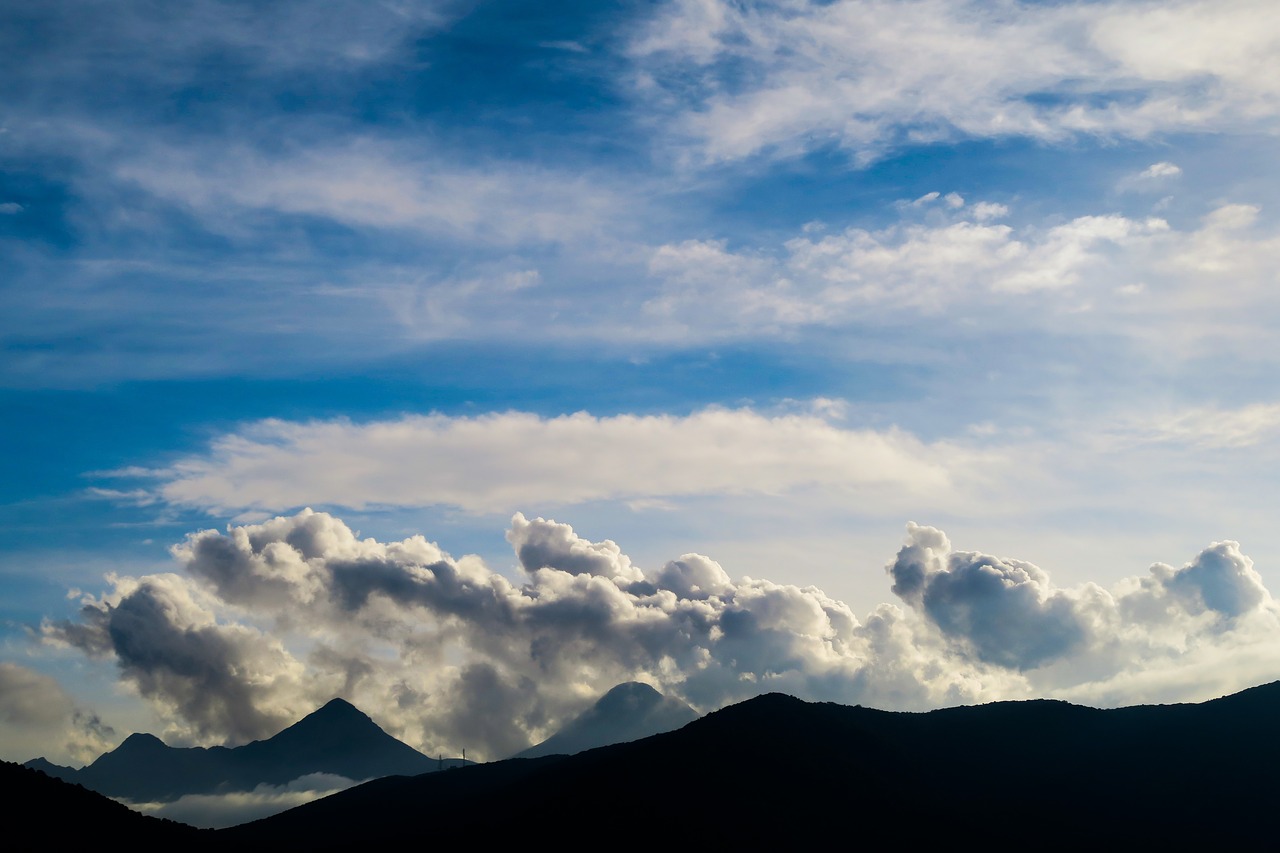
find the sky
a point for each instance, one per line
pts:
(465, 359)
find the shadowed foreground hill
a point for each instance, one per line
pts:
(44, 812)
(778, 770)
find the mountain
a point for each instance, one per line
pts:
(338, 739)
(43, 811)
(777, 770)
(48, 768)
(629, 711)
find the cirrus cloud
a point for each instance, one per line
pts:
(871, 75)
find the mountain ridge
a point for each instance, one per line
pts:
(337, 738)
(777, 769)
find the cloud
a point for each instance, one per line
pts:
(215, 811)
(1209, 285)
(373, 184)
(1160, 170)
(170, 47)
(1206, 427)
(41, 719)
(858, 274)
(9, 208)
(500, 462)
(221, 679)
(1009, 613)
(447, 653)
(873, 75)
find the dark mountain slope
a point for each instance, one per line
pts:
(47, 812)
(776, 770)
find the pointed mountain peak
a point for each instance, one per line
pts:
(338, 706)
(336, 719)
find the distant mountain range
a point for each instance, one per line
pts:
(778, 771)
(338, 739)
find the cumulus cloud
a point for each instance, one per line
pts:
(41, 719)
(870, 75)
(1008, 612)
(500, 462)
(449, 654)
(223, 680)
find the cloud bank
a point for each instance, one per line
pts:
(266, 621)
(501, 462)
(215, 811)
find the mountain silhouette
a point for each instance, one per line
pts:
(45, 811)
(629, 711)
(338, 739)
(777, 770)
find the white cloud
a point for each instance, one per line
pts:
(1210, 286)
(372, 184)
(1161, 170)
(422, 640)
(1208, 427)
(9, 208)
(872, 74)
(984, 210)
(859, 274)
(500, 462)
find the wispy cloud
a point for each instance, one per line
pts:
(379, 185)
(870, 75)
(1209, 427)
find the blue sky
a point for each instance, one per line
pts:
(763, 282)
